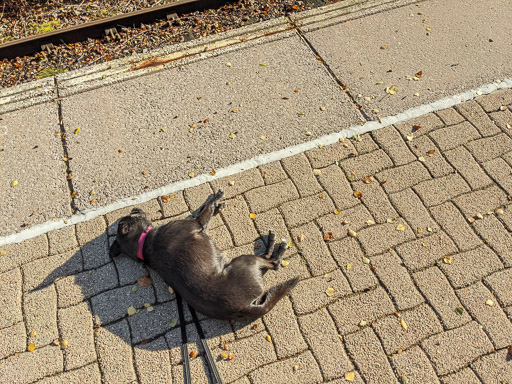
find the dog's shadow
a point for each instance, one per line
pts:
(131, 304)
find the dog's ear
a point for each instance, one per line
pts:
(115, 249)
(137, 212)
(123, 227)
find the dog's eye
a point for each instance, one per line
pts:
(124, 227)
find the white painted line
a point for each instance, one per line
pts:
(258, 160)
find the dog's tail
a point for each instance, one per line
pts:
(270, 298)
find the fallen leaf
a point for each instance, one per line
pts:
(322, 108)
(74, 195)
(349, 266)
(191, 174)
(322, 196)
(422, 159)
(391, 90)
(308, 133)
(268, 338)
(64, 344)
(231, 357)
(144, 281)
(490, 303)
(252, 215)
(225, 347)
(400, 227)
(134, 288)
(173, 323)
(224, 355)
(192, 354)
(14, 183)
(295, 368)
(336, 211)
(419, 74)
(284, 263)
(3, 252)
(228, 64)
(131, 310)
(31, 347)
(165, 198)
(330, 291)
(76, 130)
(231, 183)
(150, 308)
(370, 222)
(416, 128)
(447, 260)
(459, 310)
(120, 151)
(358, 194)
(328, 236)
(367, 180)
(403, 324)
(171, 291)
(362, 323)
(232, 136)
(317, 172)
(366, 260)
(352, 233)
(56, 342)
(383, 47)
(263, 137)
(350, 376)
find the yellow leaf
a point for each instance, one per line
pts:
(403, 324)
(131, 310)
(350, 376)
(308, 133)
(64, 344)
(252, 216)
(330, 291)
(263, 137)
(284, 263)
(76, 130)
(228, 64)
(31, 347)
(231, 183)
(269, 339)
(400, 227)
(490, 303)
(336, 211)
(447, 260)
(171, 291)
(33, 333)
(14, 183)
(370, 222)
(3, 252)
(322, 196)
(391, 90)
(352, 233)
(191, 174)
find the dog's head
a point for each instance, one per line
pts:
(128, 232)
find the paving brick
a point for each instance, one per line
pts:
(22, 253)
(366, 165)
(454, 224)
(365, 349)
(270, 196)
(253, 351)
(147, 325)
(427, 123)
(296, 268)
(13, 339)
(501, 285)
(469, 169)
(410, 207)
(494, 320)
(421, 323)
(198, 371)
(221, 237)
(502, 118)
(272, 220)
(405, 176)
(414, 365)
(272, 172)
(196, 197)
(390, 140)
(436, 288)
(330, 154)
(152, 362)
(236, 214)
(496, 236)
(435, 163)
(152, 209)
(349, 256)
(501, 173)
(437, 191)
(494, 368)
(128, 270)
(217, 332)
(40, 310)
(337, 186)
(489, 148)
(426, 251)
(477, 116)
(338, 224)
(62, 240)
(282, 372)
(248, 328)
(364, 144)
(89, 374)
(379, 238)
(391, 272)
(42, 272)
(173, 205)
(174, 341)
(76, 326)
(113, 305)
(376, 200)
(115, 353)
(508, 157)
(92, 237)
(36, 365)
(10, 298)
(243, 181)
(447, 356)
(299, 170)
(74, 289)
(506, 218)
(482, 201)
(303, 210)
(314, 249)
(322, 337)
(367, 306)
(309, 295)
(466, 376)
(470, 266)
(284, 330)
(454, 135)
(495, 100)
(450, 116)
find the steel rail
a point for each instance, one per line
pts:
(98, 28)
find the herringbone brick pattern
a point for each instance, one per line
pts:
(401, 239)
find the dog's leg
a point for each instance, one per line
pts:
(277, 257)
(211, 208)
(270, 245)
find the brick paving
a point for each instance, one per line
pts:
(422, 284)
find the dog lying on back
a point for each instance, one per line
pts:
(188, 260)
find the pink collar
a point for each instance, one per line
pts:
(142, 238)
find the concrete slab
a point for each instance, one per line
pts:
(148, 132)
(454, 48)
(31, 156)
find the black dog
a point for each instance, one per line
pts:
(188, 260)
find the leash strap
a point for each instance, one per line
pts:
(184, 346)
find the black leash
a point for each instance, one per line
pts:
(184, 345)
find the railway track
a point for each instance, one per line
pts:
(106, 27)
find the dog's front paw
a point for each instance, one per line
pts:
(220, 194)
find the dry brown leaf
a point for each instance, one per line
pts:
(419, 74)
(358, 194)
(144, 281)
(328, 236)
(165, 198)
(367, 180)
